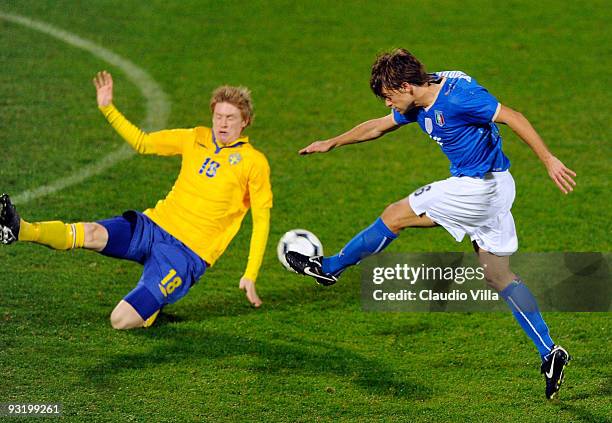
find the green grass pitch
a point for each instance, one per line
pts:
(309, 354)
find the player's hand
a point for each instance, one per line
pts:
(248, 286)
(561, 175)
(103, 81)
(317, 147)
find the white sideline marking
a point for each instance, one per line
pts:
(157, 104)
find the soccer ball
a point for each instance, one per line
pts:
(301, 241)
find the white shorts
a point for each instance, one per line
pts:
(477, 207)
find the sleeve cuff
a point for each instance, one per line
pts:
(106, 109)
(496, 112)
(250, 277)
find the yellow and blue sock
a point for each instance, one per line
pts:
(525, 310)
(371, 240)
(57, 235)
(149, 322)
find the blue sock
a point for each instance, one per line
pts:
(370, 241)
(525, 309)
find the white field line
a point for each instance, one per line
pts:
(157, 104)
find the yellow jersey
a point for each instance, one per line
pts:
(216, 186)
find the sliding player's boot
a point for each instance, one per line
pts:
(9, 221)
(552, 368)
(310, 266)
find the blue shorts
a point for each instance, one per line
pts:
(170, 267)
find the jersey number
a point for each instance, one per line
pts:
(210, 166)
(169, 283)
(422, 190)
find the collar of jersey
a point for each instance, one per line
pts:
(443, 83)
(240, 141)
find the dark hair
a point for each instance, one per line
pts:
(391, 70)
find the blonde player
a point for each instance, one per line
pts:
(221, 177)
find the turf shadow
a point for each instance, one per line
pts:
(300, 292)
(265, 358)
(582, 414)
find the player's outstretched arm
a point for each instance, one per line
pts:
(137, 138)
(365, 131)
(558, 172)
(164, 143)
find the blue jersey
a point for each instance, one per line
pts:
(461, 121)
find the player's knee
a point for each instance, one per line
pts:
(399, 215)
(116, 320)
(393, 217)
(120, 321)
(495, 280)
(96, 236)
(121, 324)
